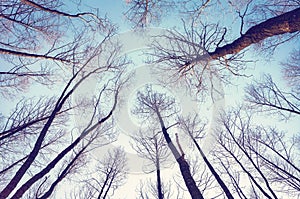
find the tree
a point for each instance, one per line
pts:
(110, 173)
(141, 13)
(202, 47)
(260, 152)
(159, 106)
(267, 96)
(190, 126)
(92, 126)
(36, 36)
(152, 147)
(64, 47)
(80, 56)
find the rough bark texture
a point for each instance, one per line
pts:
(288, 22)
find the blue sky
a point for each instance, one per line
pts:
(135, 44)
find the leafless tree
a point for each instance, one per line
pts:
(80, 73)
(194, 130)
(267, 96)
(35, 37)
(202, 47)
(148, 189)
(109, 174)
(150, 144)
(93, 125)
(142, 13)
(291, 71)
(160, 106)
(263, 154)
(29, 114)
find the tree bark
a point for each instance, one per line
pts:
(288, 22)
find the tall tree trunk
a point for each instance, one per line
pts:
(252, 178)
(109, 186)
(61, 155)
(158, 177)
(104, 184)
(33, 154)
(37, 146)
(288, 22)
(183, 165)
(212, 170)
(159, 187)
(63, 174)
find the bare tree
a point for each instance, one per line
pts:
(152, 147)
(291, 70)
(29, 114)
(35, 37)
(261, 153)
(109, 174)
(148, 189)
(267, 96)
(159, 106)
(204, 47)
(142, 13)
(93, 125)
(191, 127)
(79, 75)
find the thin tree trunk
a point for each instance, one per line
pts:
(215, 174)
(37, 146)
(63, 174)
(247, 172)
(104, 184)
(159, 186)
(109, 186)
(31, 157)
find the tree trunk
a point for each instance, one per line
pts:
(183, 165)
(31, 157)
(159, 187)
(215, 174)
(288, 22)
(62, 175)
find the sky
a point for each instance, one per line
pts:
(135, 43)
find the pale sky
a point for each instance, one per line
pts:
(134, 44)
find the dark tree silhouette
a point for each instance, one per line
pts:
(190, 127)
(151, 103)
(263, 154)
(152, 147)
